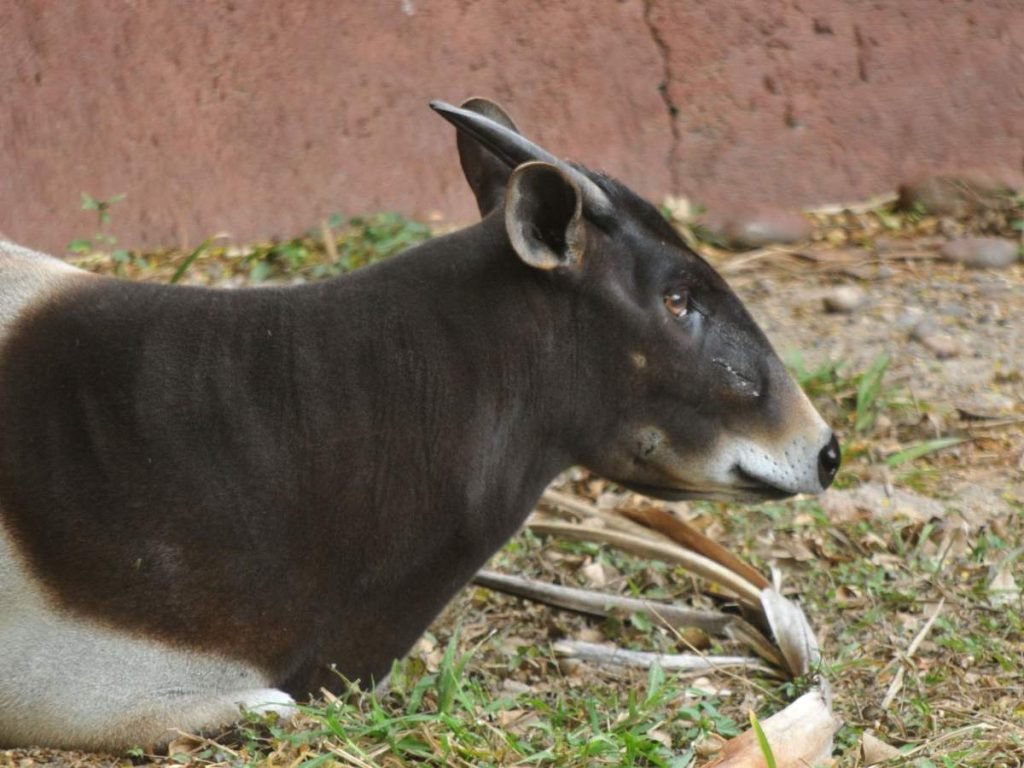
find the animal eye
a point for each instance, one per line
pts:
(677, 301)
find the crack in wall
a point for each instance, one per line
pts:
(664, 89)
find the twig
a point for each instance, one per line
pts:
(994, 423)
(348, 756)
(604, 605)
(897, 680)
(647, 547)
(670, 662)
(744, 633)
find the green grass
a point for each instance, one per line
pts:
(451, 717)
(336, 247)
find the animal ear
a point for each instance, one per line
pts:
(486, 173)
(544, 216)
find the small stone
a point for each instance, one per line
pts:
(570, 667)
(757, 227)
(884, 272)
(909, 318)
(962, 192)
(843, 299)
(942, 345)
(981, 252)
(923, 329)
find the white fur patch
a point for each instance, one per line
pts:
(791, 461)
(27, 277)
(66, 682)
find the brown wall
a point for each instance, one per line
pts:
(259, 118)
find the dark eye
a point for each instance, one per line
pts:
(677, 301)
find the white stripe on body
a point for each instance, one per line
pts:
(67, 682)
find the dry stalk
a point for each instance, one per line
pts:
(605, 605)
(670, 662)
(897, 681)
(667, 552)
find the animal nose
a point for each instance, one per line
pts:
(828, 462)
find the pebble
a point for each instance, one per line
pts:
(909, 318)
(962, 192)
(942, 345)
(981, 252)
(923, 329)
(950, 309)
(757, 227)
(843, 299)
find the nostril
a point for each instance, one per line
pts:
(828, 462)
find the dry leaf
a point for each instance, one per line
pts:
(661, 737)
(874, 750)
(793, 633)
(1002, 587)
(799, 736)
(183, 745)
(710, 744)
(597, 575)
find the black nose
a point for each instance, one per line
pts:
(828, 462)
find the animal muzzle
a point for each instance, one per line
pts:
(801, 464)
(793, 451)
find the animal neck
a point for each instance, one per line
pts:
(450, 430)
(474, 366)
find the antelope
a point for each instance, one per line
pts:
(216, 500)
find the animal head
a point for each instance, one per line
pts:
(682, 393)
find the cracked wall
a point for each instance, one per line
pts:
(261, 119)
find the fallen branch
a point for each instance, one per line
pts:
(604, 605)
(670, 662)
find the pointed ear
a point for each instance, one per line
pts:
(544, 216)
(486, 173)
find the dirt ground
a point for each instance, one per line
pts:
(926, 520)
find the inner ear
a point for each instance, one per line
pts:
(544, 216)
(487, 174)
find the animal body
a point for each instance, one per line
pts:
(212, 499)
